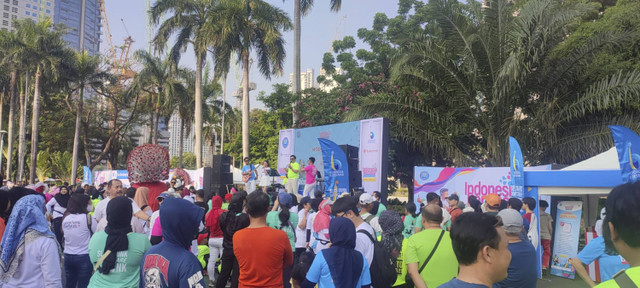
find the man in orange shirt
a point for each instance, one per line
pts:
(262, 252)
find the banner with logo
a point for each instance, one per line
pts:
(87, 175)
(285, 150)
(628, 147)
(107, 175)
(566, 238)
(336, 170)
(371, 153)
(516, 169)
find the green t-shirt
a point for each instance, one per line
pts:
(291, 174)
(410, 225)
(381, 208)
(443, 265)
(274, 222)
(401, 269)
(127, 270)
(633, 273)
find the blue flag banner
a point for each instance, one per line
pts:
(88, 176)
(517, 169)
(628, 147)
(336, 170)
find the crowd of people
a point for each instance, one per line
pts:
(109, 236)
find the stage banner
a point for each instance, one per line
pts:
(628, 147)
(371, 146)
(87, 175)
(107, 175)
(285, 150)
(565, 242)
(336, 170)
(517, 169)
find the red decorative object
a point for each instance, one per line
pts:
(148, 163)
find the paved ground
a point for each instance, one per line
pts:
(559, 282)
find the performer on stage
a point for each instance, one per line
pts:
(293, 173)
(249, 175)
(264, 176)
(310, 178)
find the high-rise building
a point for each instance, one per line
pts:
(84, 32)
(67, 12)
(306, 80)
(24, 9)
(328, 84)
(188, 141)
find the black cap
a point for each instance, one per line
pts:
(454, 197)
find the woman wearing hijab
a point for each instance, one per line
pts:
(116, 252)
(30, 255)
(78, 227)
(340, 265)
(56, 208)
(321, 226)
(393, 240)
(4, 207)
(285, 221)
(230, 223)
(212, 222)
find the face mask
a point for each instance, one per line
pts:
(90, 208)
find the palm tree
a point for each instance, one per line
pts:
(86, 73)
(187, 19)
(45, 49)
(240, 26)
(302, 8)
(11, 46)
(494, 73)
(159, 79)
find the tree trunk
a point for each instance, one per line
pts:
(198, 110)
(76, 136)
(22, 145)
(34, 127)
(181, 142)
(156, 113)
(224, 112)
(245, 104)
(296, 56)
(10, 123)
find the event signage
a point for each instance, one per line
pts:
(371, 131)
(336, 169)
(285, 150)
(87, 175)
(565, 242)
(628, 147)
(516, 169)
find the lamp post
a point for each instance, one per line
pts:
(2, 132)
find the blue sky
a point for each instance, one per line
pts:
(319, 29)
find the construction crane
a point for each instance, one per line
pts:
(119, 64)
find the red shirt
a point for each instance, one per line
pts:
(455, 212)
(262, 254)
(527, 216)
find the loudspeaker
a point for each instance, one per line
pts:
(352, 152)
(355, 176)
(215, 182)
(221, 163)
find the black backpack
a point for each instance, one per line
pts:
(383, 267)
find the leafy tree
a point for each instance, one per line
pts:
(499, 77)
(188, 161)
(240, 26)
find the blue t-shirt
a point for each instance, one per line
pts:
(609, 264)
(455, 283)
(247, 168)
(319, 273)
(521, 272)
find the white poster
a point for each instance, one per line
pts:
(371, 136)
(285, 150)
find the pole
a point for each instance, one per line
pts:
(2, 147)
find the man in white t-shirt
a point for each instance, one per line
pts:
(114, 189)
(347, 207)
(301, 229)
(366, 204)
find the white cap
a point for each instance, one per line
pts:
(365, 199)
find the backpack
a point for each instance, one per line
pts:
(383, 267)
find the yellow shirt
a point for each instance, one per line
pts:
(291, 174)
(633, 273)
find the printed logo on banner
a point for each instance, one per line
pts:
(424, 175)
(335, 163)
(285, 142)
(371, 135)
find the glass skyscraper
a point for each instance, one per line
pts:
(69, 13)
